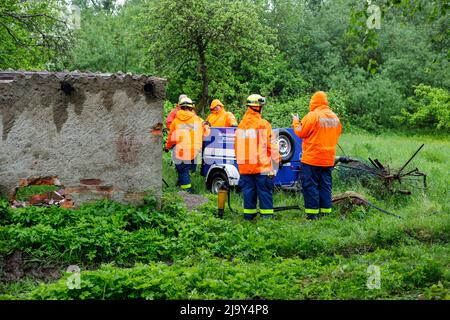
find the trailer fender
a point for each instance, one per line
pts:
(230, 170)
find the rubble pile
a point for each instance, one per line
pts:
(58, 198)
(46, 199)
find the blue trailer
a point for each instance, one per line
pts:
(219, 161)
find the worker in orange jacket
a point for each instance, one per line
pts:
(320, 130)
(219, 117)
(255, 151)
(186, 135)
(173, 112)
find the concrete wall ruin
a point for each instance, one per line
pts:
(99, 134)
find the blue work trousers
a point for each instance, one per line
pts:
(254, 187)
(317, 186)
(183, 170)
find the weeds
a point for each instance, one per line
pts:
(321, 278)
(143, 252)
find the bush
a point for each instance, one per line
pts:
(279, 113)
(375, 103)
(4, 213)
(438, 292)
(430, 108)
(321, 278)
(99, 232)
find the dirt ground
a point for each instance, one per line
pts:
(14, 267)
(192, 201)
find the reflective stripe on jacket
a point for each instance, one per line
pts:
(186, 133)
(254, 145)
(320, 130)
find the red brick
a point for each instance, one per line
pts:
(90, 182)
(105, 188)
(156, 130)
(37, 181)
(23, 182)
(76, 189)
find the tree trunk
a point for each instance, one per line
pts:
(204, 71)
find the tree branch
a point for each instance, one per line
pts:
(20, 17)
(188, 60)
(12, 34)
(31, 23)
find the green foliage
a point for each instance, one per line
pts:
(279, 113)
(110, 42)
(32, 33)
(174, 254)
(429, 108)
(374, 73)
(438, 292)
(374, 103)
(99, 232)
(215, 49)
(24, 193)
(4, 212)
(322, 278)
(285, 50)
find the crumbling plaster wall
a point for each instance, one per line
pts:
(100, 134)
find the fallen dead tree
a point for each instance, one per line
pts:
(356, 199)
(386, 177)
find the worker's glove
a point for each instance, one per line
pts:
(207, 124)
(343, 160)
(295, 117)
(166, 149)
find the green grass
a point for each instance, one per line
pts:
(141, 252)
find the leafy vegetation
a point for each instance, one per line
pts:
(393, 82)
(430, 108)
(228, 49)
(323, 278)
(33, 34)
(141, 252)
(24, 193)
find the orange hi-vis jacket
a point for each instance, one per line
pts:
(221, 118)
(320, 130)
(254, 145)
(186, 133)
(171, 116)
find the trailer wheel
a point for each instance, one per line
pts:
(216, 180)
(285, 145)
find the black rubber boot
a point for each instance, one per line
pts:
(312, 216)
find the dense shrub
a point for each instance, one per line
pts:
(429, 108)
(99, 232)
(107, 232)
(321, 278)
(373, 104)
